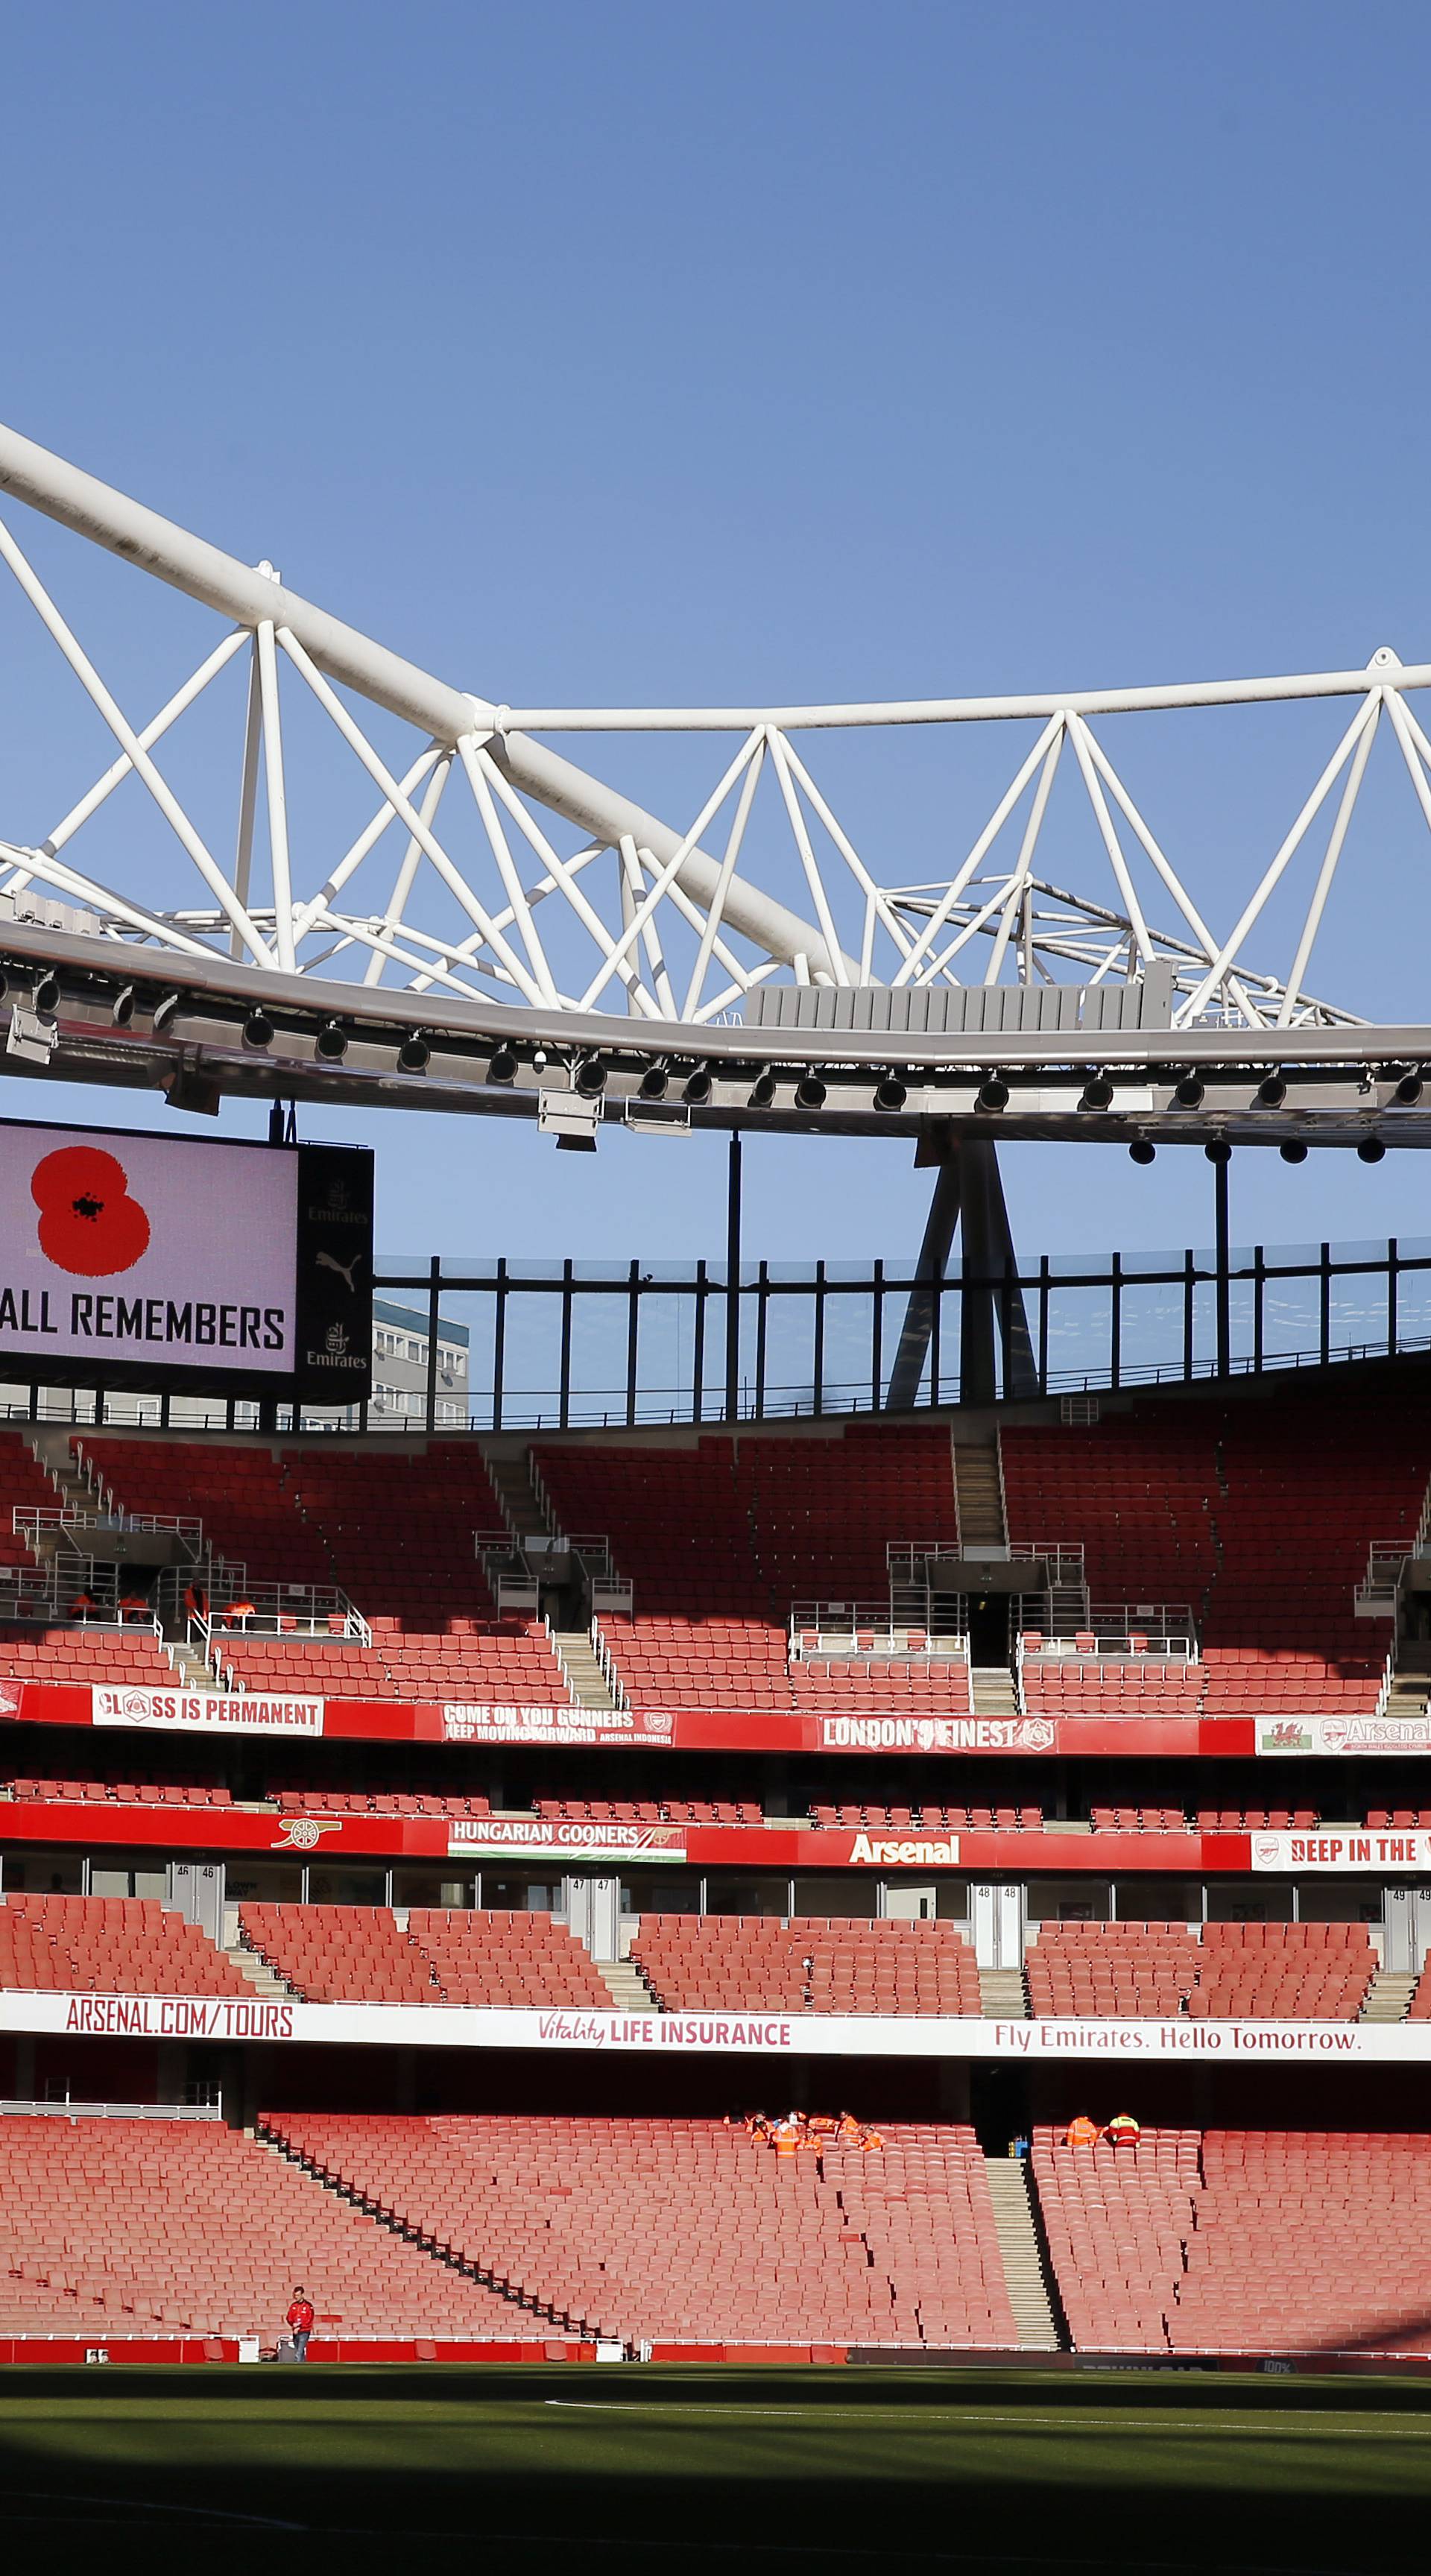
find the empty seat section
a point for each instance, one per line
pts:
(733, 2246)
(1079, 1971)
(108, 1658)
(339, 1954)
(1236, 1972)
(507, 1961)
(132, 2227)
(734, 1963)
(116, 1945)
(1308, 2242)
(238, 1491)
(1116, 2221)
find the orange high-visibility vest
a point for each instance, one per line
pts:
(1083, 2132)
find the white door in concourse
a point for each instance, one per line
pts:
(1407, 1928)
(997, 1916)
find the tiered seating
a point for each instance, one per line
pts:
(126, 1793)
(1087, 1686)
(132, 2227)
(741, 1962)
(1308, 2242)
(294, 1667)
(357, 1954)
(339, 1954)
(1116, 2221)
(486, 1660)
(722, 1536)
(927, 1685)
(1395, 1820)
(117, 1945)
(511, 1962)
(376, 1802)
(1238, 1972)
(652, 1811)
(238, 1491)
(733, 2246)
(1138, 1820)
(24, 1486)
(1259, 1514)
(1283, 1972)
(861, 1817)
(1255, 1820)
(1082, 1971)
(110, 1657)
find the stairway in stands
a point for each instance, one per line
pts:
(1023, 2263)
(1388, 1997)
(979, 1505)
(1001, 1994)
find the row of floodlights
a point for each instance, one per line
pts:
(1218, 1150)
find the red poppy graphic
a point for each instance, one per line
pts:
(89, 1224)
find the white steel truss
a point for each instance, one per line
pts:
(488, 866)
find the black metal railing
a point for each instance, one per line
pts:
(563, 1346)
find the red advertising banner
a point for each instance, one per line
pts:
(722, 1730)
(102, 1823)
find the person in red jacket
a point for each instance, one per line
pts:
(299, 2322)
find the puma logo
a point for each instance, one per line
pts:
(345, 1269)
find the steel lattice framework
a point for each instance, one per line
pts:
(505, 923)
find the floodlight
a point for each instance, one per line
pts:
(121, 1009)
(1371, 1150)
(890, 1094)
(696, 1089)
(762, 1090)
(1140, 1151)
(258, 1029)
(502, 1065)
(1097, 1092)
(1294, 1151)
(994, 1093)
(1218, 1150)
(1189, 1092)
(1271, 1091)
(589, 1078)
(654, 1082)
(414, 1055)
(810, 1092)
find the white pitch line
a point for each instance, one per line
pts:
(973, 2415)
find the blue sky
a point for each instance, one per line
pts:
(639, 354)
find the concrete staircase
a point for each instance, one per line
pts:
(1001, 1994)
(1389, 1996)
(510, 1471)
(1411, 1680)
(578, 1660)
(994, 1691)
(979, 1493)
(1023, 2264)
(626, 1986)
(258, 1972)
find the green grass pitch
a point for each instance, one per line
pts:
(745, 2472)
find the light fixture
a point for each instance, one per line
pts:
(994, 1093)
(1188, 1092)
(331, 1044)
(1408, 1090)
(810, 1092)
(121, 1009)
(414, 1055)
(589, 1078)
(1371, 1150)
(762, 1090)
(696, 1089)
(1140, 1151)
(1271, 1091)
(258, 1029)
(654, 1082)
(502, 1065)
(1218, 1150)
(890, 1093)
(1097, 1092)
(46, 995)
(1294, 1151)
(191, 1089)
(164, 1010)
(539, 1060)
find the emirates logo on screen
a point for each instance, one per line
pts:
(89, 1224)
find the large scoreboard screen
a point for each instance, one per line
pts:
(167, 1261)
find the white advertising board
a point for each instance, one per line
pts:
(161, 1251)
(186, 1712)
(748, 2034)
(1357, 1734)
(1342, 1848)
